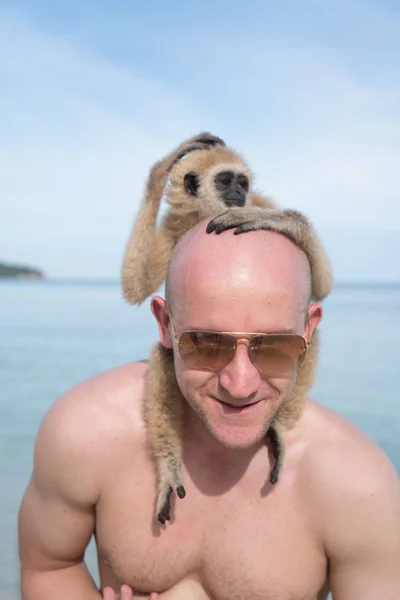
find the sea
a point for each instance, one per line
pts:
(54, 334)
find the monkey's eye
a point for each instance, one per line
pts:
(191, 182)
(226, 180)
(243, 182)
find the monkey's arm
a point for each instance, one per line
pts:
(145, 247)
(290, 223)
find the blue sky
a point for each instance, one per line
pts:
(92, 93)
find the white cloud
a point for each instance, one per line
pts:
(78, 133)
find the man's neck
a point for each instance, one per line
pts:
(213, 465)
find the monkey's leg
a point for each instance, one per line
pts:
(163, 415)
(277, 451)
(170, 479)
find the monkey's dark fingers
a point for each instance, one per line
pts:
(203, 141)
(165, 512)
(233, 217)
(210, 139)
(277, 450)
(191, 148)
(273, 478)
(180, 490)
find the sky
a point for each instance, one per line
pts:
(92, 93)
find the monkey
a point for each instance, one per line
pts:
(205, 177)
(165, 405)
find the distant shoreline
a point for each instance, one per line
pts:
(111, 282)
(11, 271)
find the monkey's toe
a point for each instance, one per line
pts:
(165, 511)
(180, 490)
(273, 477)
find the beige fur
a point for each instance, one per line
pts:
(164, 401)
(163, 412)
(149, 248)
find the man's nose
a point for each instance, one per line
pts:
(240, 378)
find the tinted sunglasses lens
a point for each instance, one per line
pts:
(206, 350)
(277, 354)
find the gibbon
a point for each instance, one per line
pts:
(164, 407)
(205, 177)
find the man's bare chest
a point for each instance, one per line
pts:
(232, 545)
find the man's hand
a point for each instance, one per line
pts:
(126, 593)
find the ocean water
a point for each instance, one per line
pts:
(55, 334)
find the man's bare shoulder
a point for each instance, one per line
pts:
(106, 401)
(348, 480)
(332, 443)
(88, 426)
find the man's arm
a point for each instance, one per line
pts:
(56, 518)
(365, 552)
(360, 520)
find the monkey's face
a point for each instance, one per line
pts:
(232, 187)
(220, 189)
(207, 182)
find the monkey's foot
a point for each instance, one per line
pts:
(277, 451)
(273, 478)
(164, 503)
(241, 219)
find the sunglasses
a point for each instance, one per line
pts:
(273, 354)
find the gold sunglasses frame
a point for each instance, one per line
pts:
(247, 339)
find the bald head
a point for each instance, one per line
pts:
(208, 264)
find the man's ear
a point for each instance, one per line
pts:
(314, 316)
(160, 311)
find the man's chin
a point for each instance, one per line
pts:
(237, 438)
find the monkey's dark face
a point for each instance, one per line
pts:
(231, 187)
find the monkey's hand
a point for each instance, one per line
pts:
(290, 223)
(202, 141)
(246, 219)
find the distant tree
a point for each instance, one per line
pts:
(7, 270)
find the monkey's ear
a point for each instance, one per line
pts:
(160, 311)
(191, 182)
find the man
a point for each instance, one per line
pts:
(331, 521)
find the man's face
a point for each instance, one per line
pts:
(238, 403)
(256, 283)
